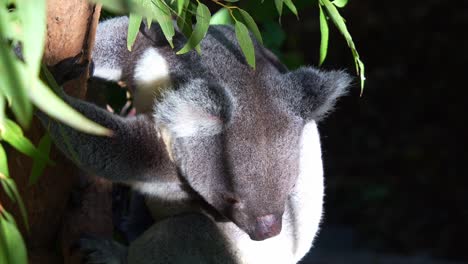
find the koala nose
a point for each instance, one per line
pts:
(266, 226)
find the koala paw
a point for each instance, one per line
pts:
(101, 251)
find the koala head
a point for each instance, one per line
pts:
(241, 151)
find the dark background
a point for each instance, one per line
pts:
(395, 158)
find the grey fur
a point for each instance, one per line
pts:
(241, 155)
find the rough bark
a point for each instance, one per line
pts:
(53, 222)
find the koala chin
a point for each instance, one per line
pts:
(227, 156)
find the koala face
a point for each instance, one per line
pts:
(246, 171)
(241, 152)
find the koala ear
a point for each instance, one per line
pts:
(198, 108)
(314, 92)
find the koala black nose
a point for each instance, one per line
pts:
(266, 226)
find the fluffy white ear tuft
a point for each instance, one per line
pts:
(194, 110)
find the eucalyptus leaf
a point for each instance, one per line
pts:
(17, 198)
(184, 22)
(181, 6)
(222, 17)
(7, 189)
(11, 243)
(116, 6)
(3, 163)
(279, 7)
(340, 3)
(250, 23)
(8, 217)
(245, 42)
(2, 110)
(201, 28)
(324, 34)
(134, 22)
(38, 164)
(340, 24)
(13, 79)
(48, 102)
(162, 13)
(14, 136)
(33, 17)
(291, 7)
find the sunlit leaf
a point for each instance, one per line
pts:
(11, 243)
(33, 17)
(291, 7)
(134, 22)
(324, 34)
(162, 14)
(181, 6)
(2, 110)
(116, 6)
(279, 7)
(14, 136)
(38, 164)
(251, 25)
(48, 102)
(340, 3)
(13, 79)
(3, 163)
(184, 22)
(222, 17)
(4, 173)
(201, 28)
(340, 24)
(245, 42)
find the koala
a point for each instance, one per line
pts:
(230, 150)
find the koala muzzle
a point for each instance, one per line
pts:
(266, 226)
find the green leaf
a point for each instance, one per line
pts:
(222, 17)
(2, 110)
(184, 22)
(250, 23)
(14, 136)
(203, 22)
(13, 77)
(324, 34)
(3, 163)
(291, 7)
(7, 189)
(33, 17)
(340, 24)
(134, 22)
(115, 6)
(279, 7)
(12, 247)
(231, 1)
(13, 190)
(182, 6)
(48, 102)
(162, 13)
(38, 164)
(340, 3)
(243, 37)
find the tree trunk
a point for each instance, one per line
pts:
(54, 224)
